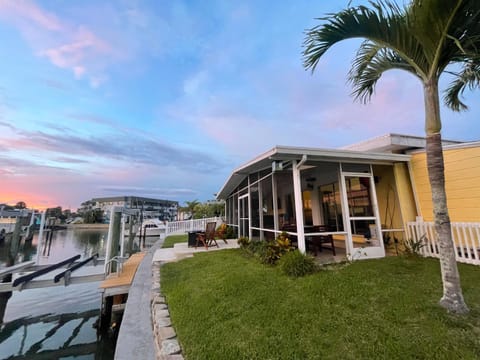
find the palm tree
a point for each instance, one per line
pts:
(190, 206)
(422, 38)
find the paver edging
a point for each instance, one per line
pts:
(165, 337)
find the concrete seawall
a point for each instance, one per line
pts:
(147, 331)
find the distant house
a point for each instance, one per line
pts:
(362, 195)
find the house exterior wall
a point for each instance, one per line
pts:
(388, 204)
(405, 193)
(462, 174)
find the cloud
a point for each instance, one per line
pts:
(134, 148)
(25, 11)
(7, 125)
(82, 49)
(66, 45)
(69, 160)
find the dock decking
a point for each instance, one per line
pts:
(125, 277)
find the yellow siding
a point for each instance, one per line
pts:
(462, 183)
(405, 192)
(388, 204)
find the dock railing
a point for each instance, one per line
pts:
(466, 236)
(182, 227)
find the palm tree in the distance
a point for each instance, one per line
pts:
(190, 206)
(422, 38)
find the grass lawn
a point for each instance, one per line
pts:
(173, 239)
(225, 305)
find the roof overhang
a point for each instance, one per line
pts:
(394, 143)
(313, 155)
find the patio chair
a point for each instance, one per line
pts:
(207, 237)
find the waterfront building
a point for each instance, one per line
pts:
(153, 208)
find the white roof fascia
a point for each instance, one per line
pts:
(288, 153)
(389, 142)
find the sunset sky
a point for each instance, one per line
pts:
(164, 99)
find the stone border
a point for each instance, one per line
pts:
(166, 343)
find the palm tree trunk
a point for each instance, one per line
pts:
(452, 298)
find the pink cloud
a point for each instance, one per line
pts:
(28, 11)
(83, 48)
(66, 45)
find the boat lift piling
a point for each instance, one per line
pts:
(40, 237)
(119, 275)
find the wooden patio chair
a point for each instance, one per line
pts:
(207, 237)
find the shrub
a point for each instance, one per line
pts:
(296, 264)
(413, 247)
(243, 242)
(231, 234)
(221, 231)
(276, 249)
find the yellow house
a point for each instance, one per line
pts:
(360, 201)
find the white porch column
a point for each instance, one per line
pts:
(297, 192)
(275, 203)
(260, 207)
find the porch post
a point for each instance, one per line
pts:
(249, 210)
(275, 203)
(260, 208)
(297, 192)
(345, 212)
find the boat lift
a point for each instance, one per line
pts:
(27, 281)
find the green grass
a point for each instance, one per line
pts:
(225, 305)
(173, 239)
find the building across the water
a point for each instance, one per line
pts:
(154, 208)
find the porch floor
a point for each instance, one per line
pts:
(326, 255)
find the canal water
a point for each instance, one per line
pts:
(56, 322)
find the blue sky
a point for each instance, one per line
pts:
(165, 98)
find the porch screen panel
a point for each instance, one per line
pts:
(285, 198)
(267, 203)
(360, 205)
(235, 210)
(332, 206)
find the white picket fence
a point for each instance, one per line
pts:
(182, 227)
(466, 237)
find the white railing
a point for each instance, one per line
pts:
(466, 237)
(181, 227)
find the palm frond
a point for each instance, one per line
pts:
(446, 29)
(384, 24)
(468, 77)
(370, 63)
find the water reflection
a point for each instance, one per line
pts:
(54, 322)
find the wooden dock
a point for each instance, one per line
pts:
(118, 283)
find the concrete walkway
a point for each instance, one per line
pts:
(182, 251)
(135, 339)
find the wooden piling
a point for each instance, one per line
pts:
(15, 242)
